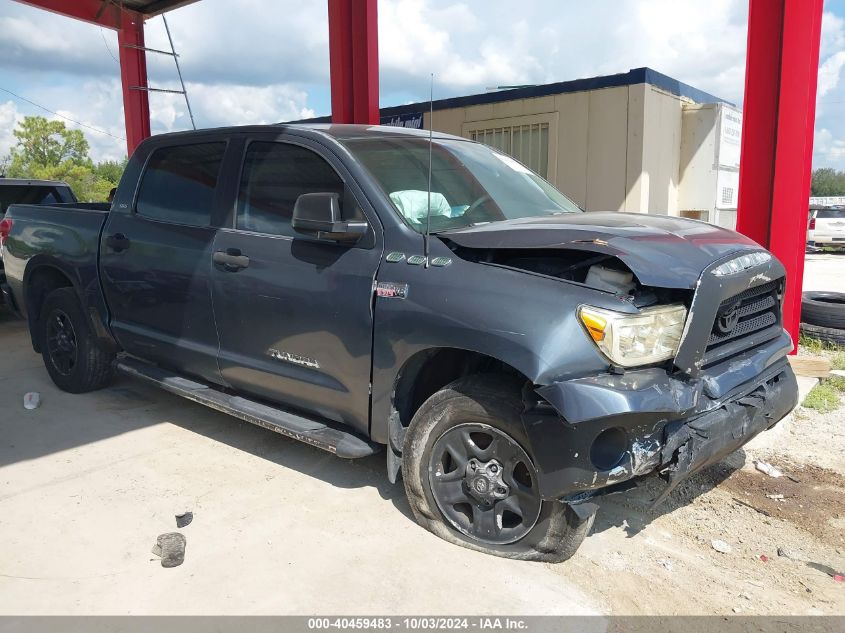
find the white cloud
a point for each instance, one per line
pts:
(9, 118)
(244, 42)
(829, 143)
(833, 34)
(829, 71)
(247, 63)
(100, 102)
(831, 150)
(471, 46)
(216, 105)
(34, 40)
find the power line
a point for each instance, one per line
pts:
(106, 44)
(62, 116)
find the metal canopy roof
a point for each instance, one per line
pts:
(149, 8)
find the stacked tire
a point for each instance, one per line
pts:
(823, 316)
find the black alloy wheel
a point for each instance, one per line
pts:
(484, 483)
(61, 341)
(76, 359)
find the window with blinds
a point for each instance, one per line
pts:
(529, 144)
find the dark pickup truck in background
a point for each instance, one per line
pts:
(524, 360)
(24, 191)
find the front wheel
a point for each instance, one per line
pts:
(470, 478)
(75, 359)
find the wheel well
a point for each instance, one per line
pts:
(41, 282)
(427, 372)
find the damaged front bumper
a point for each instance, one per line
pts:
(595, 435)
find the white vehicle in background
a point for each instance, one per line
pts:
(828, 226)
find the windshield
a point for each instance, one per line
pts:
(470, 183)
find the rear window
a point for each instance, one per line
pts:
(178, 183)
(839, 214)
(32, 194)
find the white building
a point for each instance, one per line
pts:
(638, 141)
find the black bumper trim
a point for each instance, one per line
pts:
(690, 445)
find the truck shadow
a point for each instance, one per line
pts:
(367, 472)
(67, 421)
(632, 511)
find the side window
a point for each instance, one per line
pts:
(274, 176)
(178, 184)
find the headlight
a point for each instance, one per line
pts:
(743, 262)
(630, 340)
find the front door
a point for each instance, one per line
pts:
(294, 314)
(156, 261)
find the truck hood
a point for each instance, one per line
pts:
(662, 251)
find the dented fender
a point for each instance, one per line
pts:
(643, 391)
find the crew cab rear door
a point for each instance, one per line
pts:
(294, 314)
(155, 258)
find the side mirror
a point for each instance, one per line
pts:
(318, 215)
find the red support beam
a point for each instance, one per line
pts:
(93, 11)
(777, 136)
(133, 73)
(365, 62)
(353, 60)
(340, 60)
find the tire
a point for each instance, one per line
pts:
(483, 406)
(831, 335)
(75, 359)
(826, 309)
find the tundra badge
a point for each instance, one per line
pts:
(296, 359)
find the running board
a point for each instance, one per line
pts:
(329, 438)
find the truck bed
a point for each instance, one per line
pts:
(66, 235)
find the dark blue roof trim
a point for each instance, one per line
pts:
(632, 77)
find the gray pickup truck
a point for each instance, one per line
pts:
(368, 288)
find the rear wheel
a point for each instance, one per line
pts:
(75, 359)
(471, 480)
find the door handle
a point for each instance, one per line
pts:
(231, 260)
(118, 242)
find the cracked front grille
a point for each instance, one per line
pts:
(744, 321)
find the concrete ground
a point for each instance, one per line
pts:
(87, 483)
(825, 271)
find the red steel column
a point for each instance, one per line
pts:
(365, 61)
(353, 60)
(777, 136)
(133, 72)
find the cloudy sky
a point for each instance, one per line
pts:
(247, 63)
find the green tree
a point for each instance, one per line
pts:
(110, 170)
(42, 142)
(828, 182)
(48, 150)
